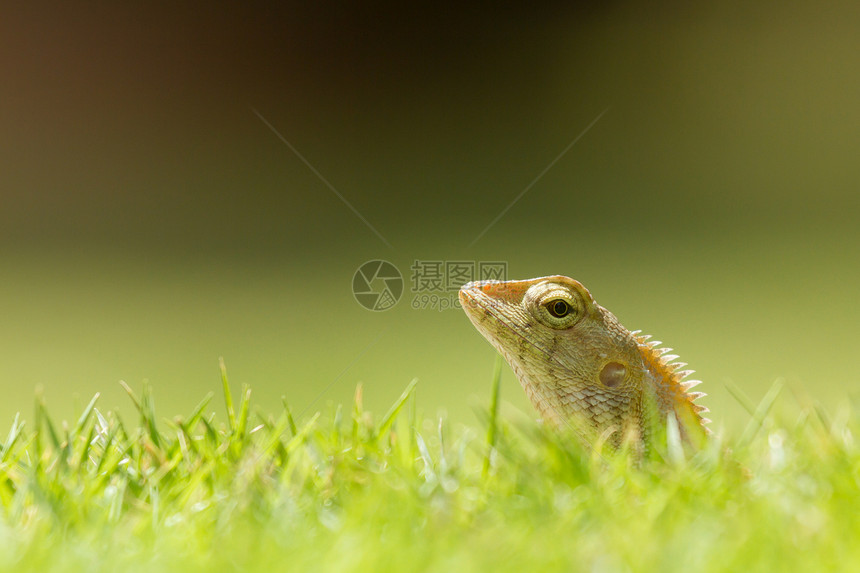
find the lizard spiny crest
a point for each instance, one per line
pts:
(576, 362)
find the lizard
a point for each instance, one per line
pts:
(578, 365)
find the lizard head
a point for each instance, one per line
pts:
(572, 357)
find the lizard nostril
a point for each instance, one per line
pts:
(613, 374)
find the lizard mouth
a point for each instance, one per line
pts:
(481, 307)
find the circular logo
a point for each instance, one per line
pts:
(377, 285)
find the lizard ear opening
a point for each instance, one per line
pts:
(613, 374)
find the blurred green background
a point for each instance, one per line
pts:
(151, 222)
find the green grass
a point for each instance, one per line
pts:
(353, 491)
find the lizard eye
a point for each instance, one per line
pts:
(559, 313)
(558, 308)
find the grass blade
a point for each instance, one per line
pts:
(14, 434)
(389, 417)
(85, 416)
(741, 397)
(197, 413)
(289, 414)
(494, 414)
(42, 416)
(297, 440)
(228, 396)
(244, 407)
(761, 413)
